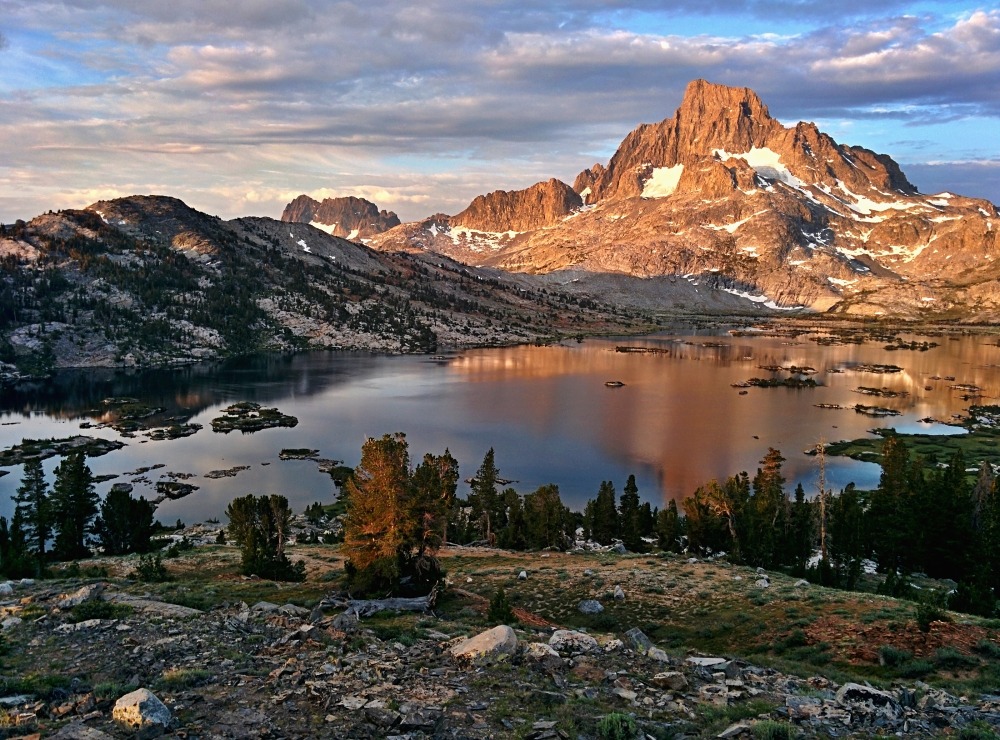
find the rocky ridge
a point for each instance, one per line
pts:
(276, 669)
(148, 280)
(724, 197)
(348, 217)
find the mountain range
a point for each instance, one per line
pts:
(721, 206)
(719, 209)
(147, 280)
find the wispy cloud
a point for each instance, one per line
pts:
(234, 106)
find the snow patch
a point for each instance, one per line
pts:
(328, 228)
(354, 234)
(305, 247)
(760, 299)
(841, 282)
(731, 228)
(662, 182)
(766, 162)
(585, 192)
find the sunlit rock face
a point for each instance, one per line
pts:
(721, 198)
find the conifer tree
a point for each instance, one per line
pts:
(74, 506)
(34, 509)
(125, 524)
(259, 525)
(546, 517)
(376, 530)
(483, 497)
(604, 524)
(669, 527)
(629, 517)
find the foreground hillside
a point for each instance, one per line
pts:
(147, 280)
(692, 649)
(723, 197)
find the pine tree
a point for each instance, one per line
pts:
(546, 517)
(483, 497)
(668, 528)
(604, 526)
(801, 531)
(629, 517)
(34, 509)
(260, 525)
(74, 506)
(766, 533)
(125, 524)
(376, 531)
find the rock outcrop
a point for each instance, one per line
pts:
(543, 204)
(347, 217)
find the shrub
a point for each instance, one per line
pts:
(949, 658)
(893, 657)
(770, 729)
(930, 609)
(98, 609)
(978, 730)
(500, 611)
(617, 726)
(150, 569)
(988, 648)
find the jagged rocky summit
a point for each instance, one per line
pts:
(721, 207)
(349, 217)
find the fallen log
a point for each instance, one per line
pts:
(366, 607)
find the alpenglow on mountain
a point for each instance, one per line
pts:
(721, 206)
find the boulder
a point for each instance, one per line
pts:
(672, 680)
(590, 606)
(571, 641)
(79, 731)
(522, 576)
(868, 700)
(499, 643)
(618, 548)
(762, 583)
(84, 593)
(543, 654)
(619, 594)
(264, 606)
(636, 639)
(6, 589)
(141, 709)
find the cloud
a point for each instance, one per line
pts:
(253, 100)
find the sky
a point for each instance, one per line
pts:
(238, 106)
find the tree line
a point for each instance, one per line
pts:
(921, 518)
(71, 516)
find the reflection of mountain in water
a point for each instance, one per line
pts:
(185, 391)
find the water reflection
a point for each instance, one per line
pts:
(676, 423)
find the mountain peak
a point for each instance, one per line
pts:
(349, 217)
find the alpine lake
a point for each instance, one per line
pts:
(676, 409)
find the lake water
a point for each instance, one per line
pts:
(676, 423)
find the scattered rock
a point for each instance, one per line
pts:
(590, 606)
(84, 593)
(542, 653)
(499, 643)
(570, 641)
(869, 701)
(637, 640)
(619, 594)
(141, 709)
(672, 680)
